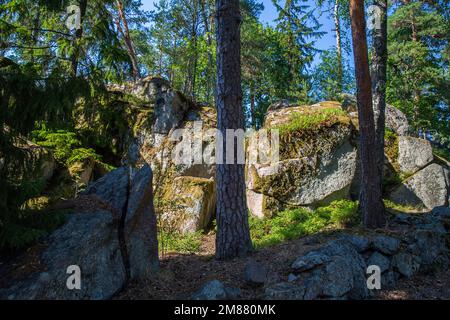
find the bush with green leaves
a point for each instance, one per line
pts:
(67, 148)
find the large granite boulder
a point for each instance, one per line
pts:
(111, 241)
(316, 163)
(426, 188)
(413, 154)
(190, 203)
(396, 120)
(174, 135)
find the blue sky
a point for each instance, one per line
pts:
(269, 14)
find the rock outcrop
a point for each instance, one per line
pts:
(413, 154)
(425, 189)
(316, 164)
(184, 181)
(317, 157)
(110, 242)
(339, 269)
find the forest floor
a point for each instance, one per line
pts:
(182, 275)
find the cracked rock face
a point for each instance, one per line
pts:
(92, 240)
(427, 188)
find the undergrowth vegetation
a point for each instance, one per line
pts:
(177, 242)
(67, 148)
(312, 119)
(295, 223)
(286, 225)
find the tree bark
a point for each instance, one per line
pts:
(371, 203)
(337, 26)
(210, 73)
(233, 236)
(379, 62)
(128, 42)
(78, 35)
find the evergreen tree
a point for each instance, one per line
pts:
(418, 75)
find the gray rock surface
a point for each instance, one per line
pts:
(216, 290)
(427, 188)
(284, 291)
(94, 241)
(334, 271)
(396, 121)
(255, 274)
(406, 264)
(379, 260)
(88, 240)
(385, 244)
(413, 154)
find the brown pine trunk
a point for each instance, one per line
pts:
(233, 236)
(126, 36)
(371, 203)
(379, 62)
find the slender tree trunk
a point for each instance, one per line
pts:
(233, 236)
(371, 203)
(252, 105)
(379, 62)
(337, 26)
(210, 71)
(128, 42)
(78, 35)
(35, 32)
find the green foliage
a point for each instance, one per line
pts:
(65, 145)
(418, 75)
(325, 84)
(180, 243)
(343, 213)
(312, 120)
(28, 227)
(295, 223)
(81, 154)
(441, 152)
(401, 208)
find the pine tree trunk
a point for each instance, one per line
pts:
(78, 36)
(126, 36)
(337, 26)
(210, 73)
(379, 62)
(371, 203)
(233, 236)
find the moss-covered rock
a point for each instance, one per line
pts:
(316, 163)
(189, 204)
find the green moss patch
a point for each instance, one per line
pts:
(313, 119)
(295, 223)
